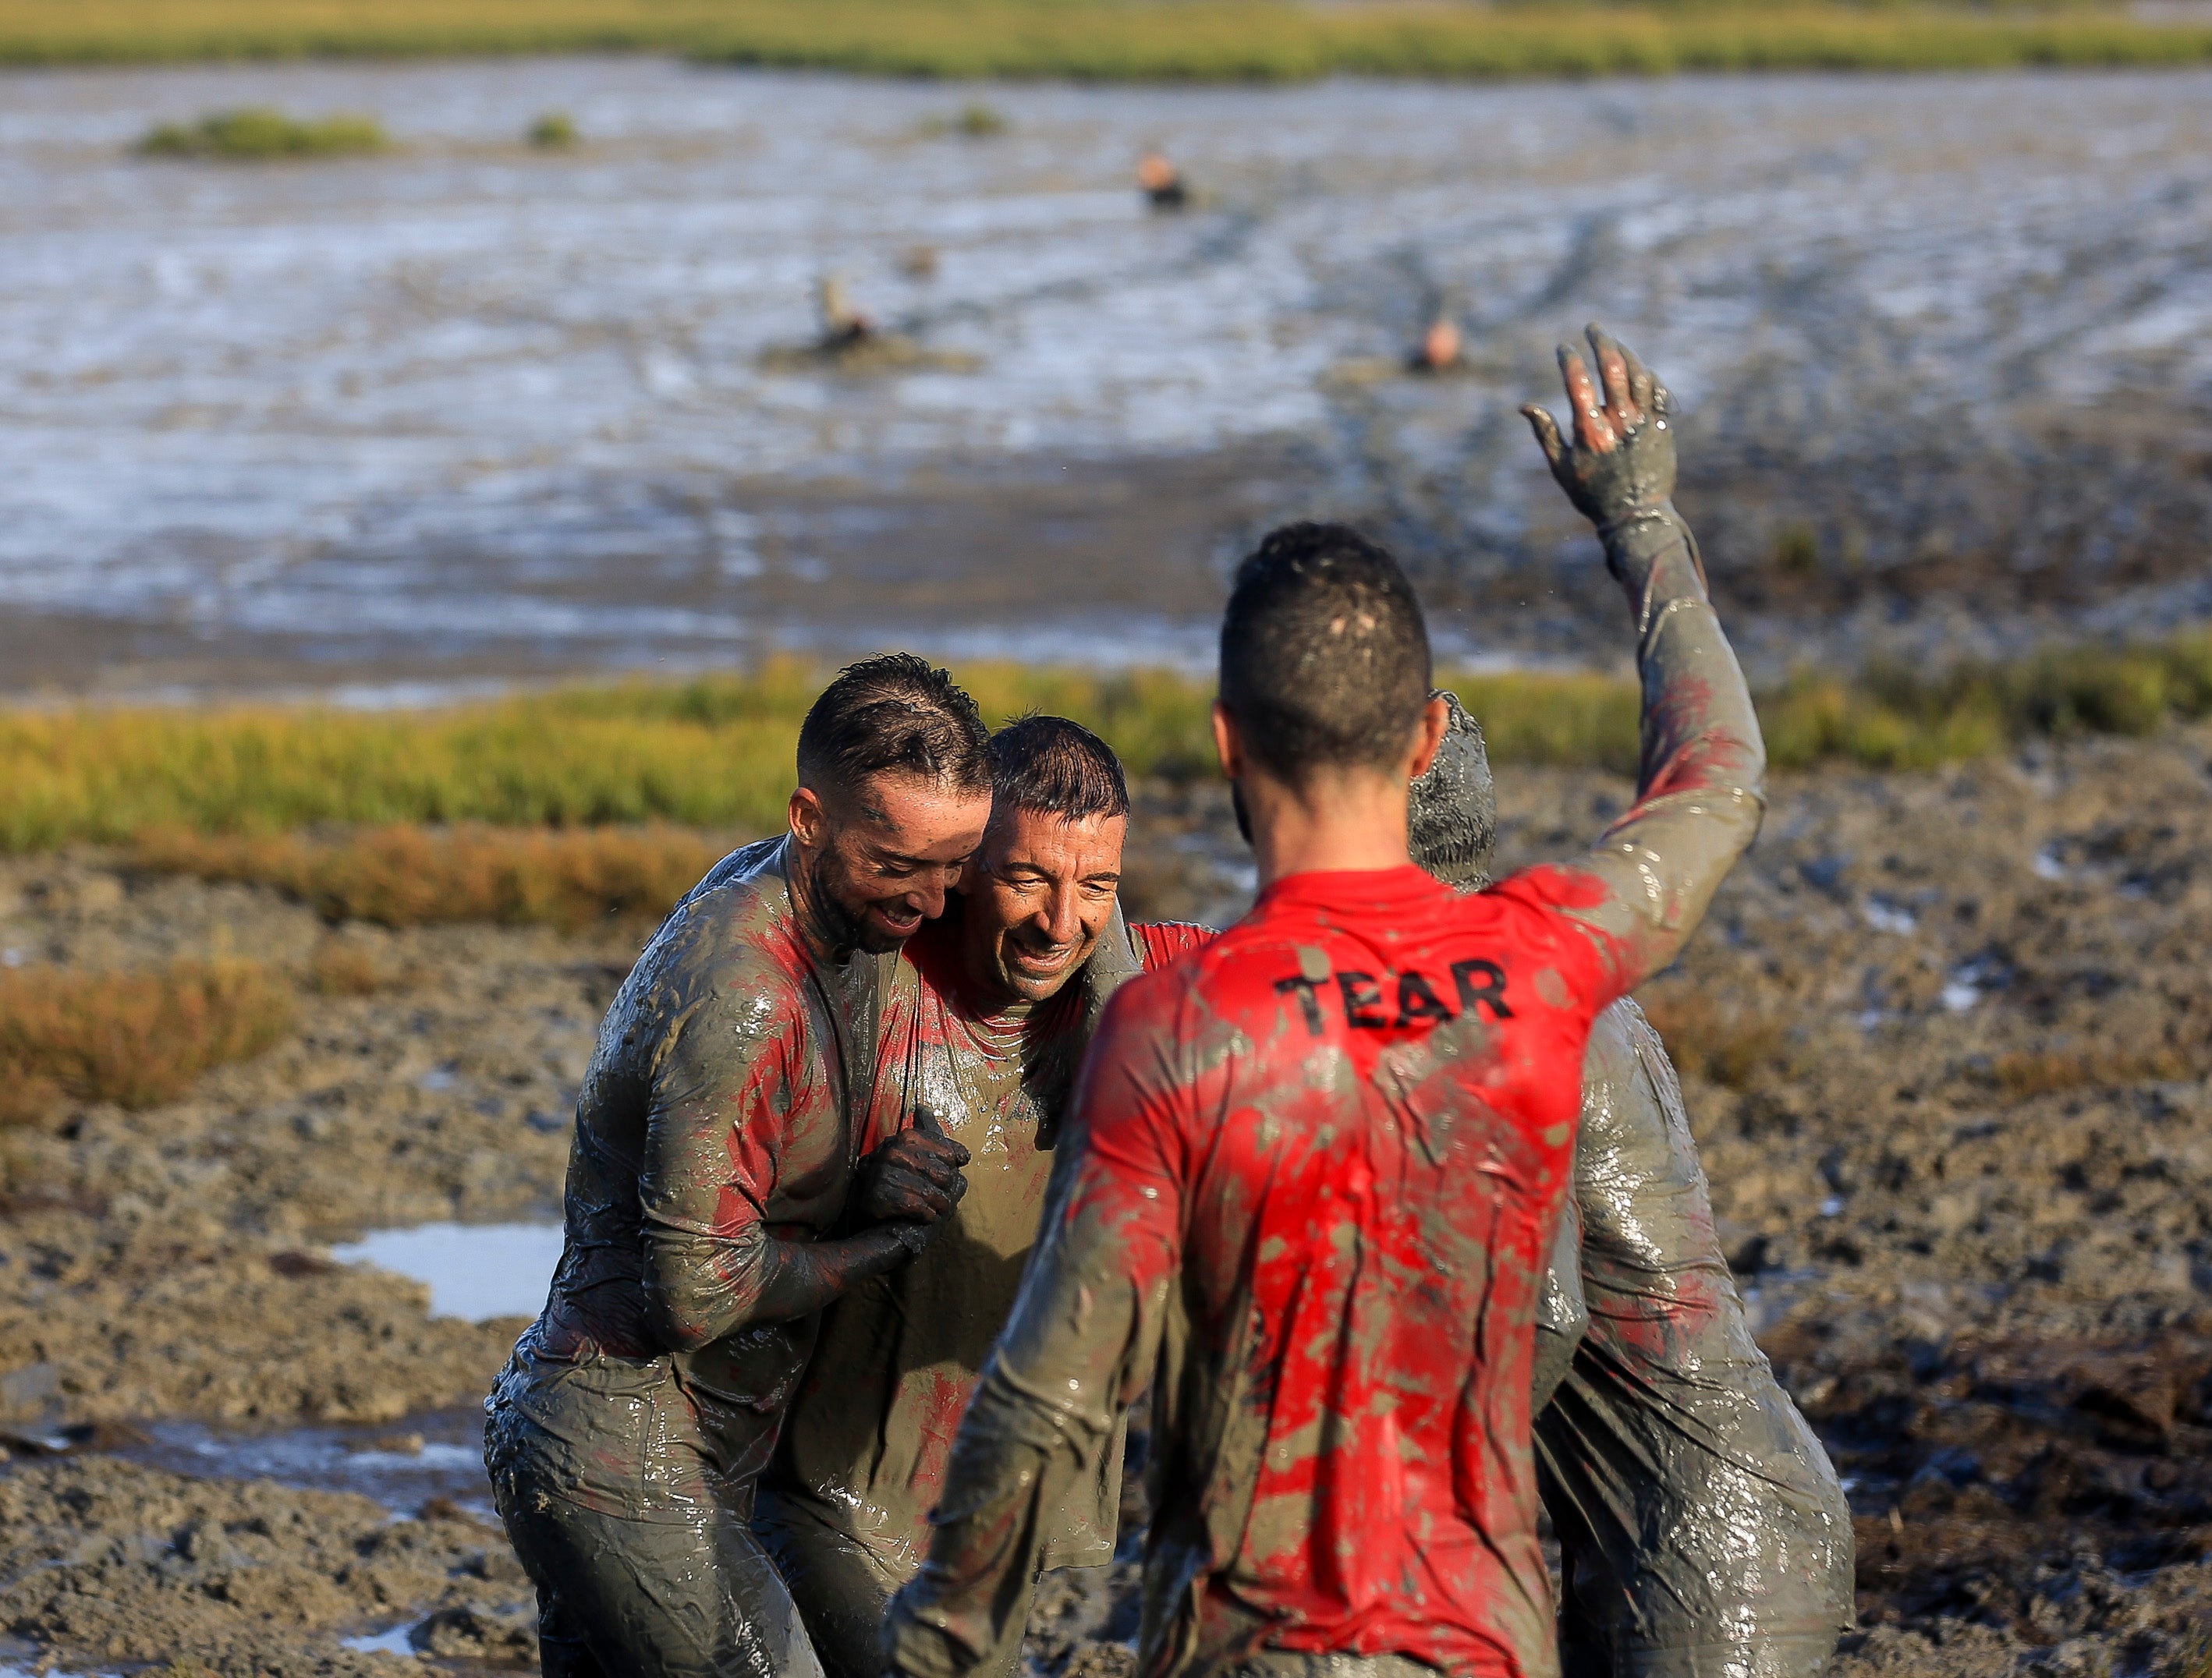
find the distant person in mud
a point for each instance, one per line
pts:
(844, 327)
(1010, 981)
(1319, 1166)
(718, 1199)
(1439, 348)
(1160, 181)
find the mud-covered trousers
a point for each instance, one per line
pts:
(844, 1588)
(1704, 1530)
(623, 1597)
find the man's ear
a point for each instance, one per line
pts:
(1429, 736)
(1228, 744)
(810, 822)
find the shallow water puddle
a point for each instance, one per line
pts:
(393, 1642)
(476, 1271)
(402, 1465)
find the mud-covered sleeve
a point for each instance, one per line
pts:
(1073, 1356)
(1655, 1275)
(1159, 942)
(733, 1085)
(1642, 889)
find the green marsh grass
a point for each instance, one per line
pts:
(406, 875)
(556, 131)
(715, 754)
(1212, 40)
(974, 121)
(257, 133)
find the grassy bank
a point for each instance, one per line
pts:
(403, 874)
(1115, 40)
(715, 754)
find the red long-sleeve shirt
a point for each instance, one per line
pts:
(1356, 1215)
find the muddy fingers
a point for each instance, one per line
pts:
(1620, 464)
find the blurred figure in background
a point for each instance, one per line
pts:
(1439, 347)
(843, 325)
(1161, 181)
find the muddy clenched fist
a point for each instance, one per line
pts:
(1622, 460)
(914, 1179)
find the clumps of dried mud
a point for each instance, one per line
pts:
(1946, 1040)
(125, 1565)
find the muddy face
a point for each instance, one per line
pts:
(1039, 894)
(876, 863)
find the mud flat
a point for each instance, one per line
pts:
(1946, 1046)
(468, 410)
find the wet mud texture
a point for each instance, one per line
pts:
(123, 1565)
(173, 1262)
(1974, 1238)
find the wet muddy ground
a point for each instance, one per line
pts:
(469, 410)
(1946, 1040)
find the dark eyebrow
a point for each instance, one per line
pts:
(885, 856)
(1036, 869)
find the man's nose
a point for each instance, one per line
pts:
(927, 895)
(1061, 917)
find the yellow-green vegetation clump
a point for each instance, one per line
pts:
(257, 132)
(974, 121)
(715, 754)
(556, 131)
(403, 874)
(1217, 41)
(1898, 717)
(136, 1038)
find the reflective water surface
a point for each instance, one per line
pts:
(402, 1464)
(476, 1271)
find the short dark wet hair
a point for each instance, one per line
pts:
(1056, 767)
(894, 714)
(1324, 652)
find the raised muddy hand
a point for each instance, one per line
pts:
(1622, 461)
(1700, 787)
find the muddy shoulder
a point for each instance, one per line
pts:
(1945, 1040)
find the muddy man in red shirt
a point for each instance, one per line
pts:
(1318, 1165)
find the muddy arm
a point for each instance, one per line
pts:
(1700, 783)
(710, 1166)
(1072, 1359)
(698, 1290)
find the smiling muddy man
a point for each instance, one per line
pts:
(1314, 1207)
(716, 1199)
